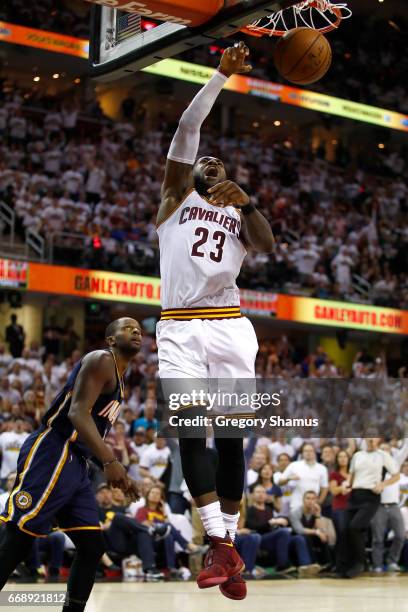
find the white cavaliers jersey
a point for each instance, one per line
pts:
(200, 255)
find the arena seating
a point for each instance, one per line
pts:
(56, 172)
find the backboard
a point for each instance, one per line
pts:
(122, 43)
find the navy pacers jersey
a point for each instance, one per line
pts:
(52, 482)
(104, 411)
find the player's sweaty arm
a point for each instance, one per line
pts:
(96, 376)
(183, 150)
(256, 231)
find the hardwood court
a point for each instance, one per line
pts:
(383, 594)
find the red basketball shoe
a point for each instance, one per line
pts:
(234, 588)
(221, 562)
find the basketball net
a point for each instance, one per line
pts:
(321, 15)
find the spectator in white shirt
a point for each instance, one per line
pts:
(306, 258)
(389, 517)
(320, 278)
(53, 216)
(10, 444)
(17, 127)
(7, 393)
(305, 475)
(255, 465)
(155, 459)
(138, 447)
(281, 445)
(29, 362)
(52, 161)
(9, 484)
(5, 360)
(95, 181)
(341, 266)
(69, 115)
(19, 373)
(72, 181)
(366, 469)
(52, 122)
(287, 489)
(124, 130)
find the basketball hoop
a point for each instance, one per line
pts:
(321, 15)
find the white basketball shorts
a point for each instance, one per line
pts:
(216, 356)
(209, 348)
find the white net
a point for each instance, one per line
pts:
(320, 15)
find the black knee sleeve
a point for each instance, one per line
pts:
(89, 545)
(199, 465)
(230, 472)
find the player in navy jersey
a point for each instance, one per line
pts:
(52, 483)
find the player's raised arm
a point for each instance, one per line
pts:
(94, 378)
(184, 146)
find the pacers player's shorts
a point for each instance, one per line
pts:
(211, 351)
(52, 486)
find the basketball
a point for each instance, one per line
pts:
(302, 56)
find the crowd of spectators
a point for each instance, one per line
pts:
(293, 510)
(378, 50)
(340, 230)
(70, 17)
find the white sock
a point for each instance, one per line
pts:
(231, 523)
(212, 520)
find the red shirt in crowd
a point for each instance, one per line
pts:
(339, 502)
(144, 514)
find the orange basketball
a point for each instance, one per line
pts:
(302, 56)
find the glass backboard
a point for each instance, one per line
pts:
(123, 43)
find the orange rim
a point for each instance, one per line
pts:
(259, 31)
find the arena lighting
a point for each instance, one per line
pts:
(55, 75)
(77, 80)
(36, 79)
(215, 49)
(148, 25)
(381, 145)
(96, 242)
(392, 24)
(277, 123)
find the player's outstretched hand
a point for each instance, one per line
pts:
(233, 60)
(228, 193)
(132, 491)
(116, 475)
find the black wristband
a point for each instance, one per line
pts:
(248, 209)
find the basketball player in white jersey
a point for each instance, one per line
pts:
(205, 224)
